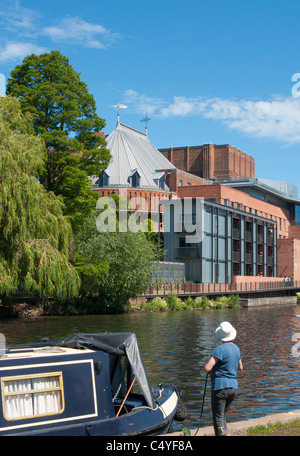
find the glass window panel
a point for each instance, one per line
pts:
(32, 396)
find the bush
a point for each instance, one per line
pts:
(159, 304)
(210, 304)
(181, 305)
(199, 302)
(172, 301)
(189, 303)
(234, 301)
(222, 302)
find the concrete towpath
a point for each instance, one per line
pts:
(239, 428)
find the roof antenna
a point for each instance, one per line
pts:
(146, 120)
(118, 107)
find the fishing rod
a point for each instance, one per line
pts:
(202, 403)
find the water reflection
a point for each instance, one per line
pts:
(175, 347)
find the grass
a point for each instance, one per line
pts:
(278, 429)
(292, 428)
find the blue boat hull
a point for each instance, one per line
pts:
(61, 391)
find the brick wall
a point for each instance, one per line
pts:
(212, 161)
(289, 258)
(296, 259)
(294, 232)
(176, 178)
(258, 279)
(221, 193)
(144, 200)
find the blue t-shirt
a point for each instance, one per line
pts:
(224, 372)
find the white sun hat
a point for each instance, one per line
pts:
(226, 332)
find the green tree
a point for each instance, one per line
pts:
(35, 235)
(153, 236)
(64, 115)
(123, 260)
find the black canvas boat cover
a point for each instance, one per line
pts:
(124, 344)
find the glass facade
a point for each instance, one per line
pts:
(234, 242)
(297, 214)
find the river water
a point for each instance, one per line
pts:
(176, 345)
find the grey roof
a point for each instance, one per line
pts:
(132, 151)
(261, 184)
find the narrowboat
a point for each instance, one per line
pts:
(84, 385)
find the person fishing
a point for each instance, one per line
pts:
(223, 365)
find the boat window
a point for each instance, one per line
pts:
(31, 396)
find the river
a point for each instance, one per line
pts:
(176, 345)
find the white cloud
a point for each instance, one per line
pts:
(17, 50)
(183, 106)
(18, 19)
(140, 103)
(75, 29)
(19, 28)
(278, 118)
(21, 31)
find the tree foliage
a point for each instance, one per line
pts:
(64, 115)
(123, 260)
(35, 235)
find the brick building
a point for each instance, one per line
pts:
(257, 221)
(261, 238)
(211, 161)
(229, 182)
(140, 172)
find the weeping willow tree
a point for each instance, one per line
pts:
(35, 235)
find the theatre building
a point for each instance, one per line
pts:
(251, 231)
(250, 226)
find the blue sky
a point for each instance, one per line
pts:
(206, 71)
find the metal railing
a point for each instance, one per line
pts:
(226, 288)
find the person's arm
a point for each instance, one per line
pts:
(241, 365)
(210, 364)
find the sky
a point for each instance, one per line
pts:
(221, 72)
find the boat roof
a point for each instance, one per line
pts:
(15, 352)
(122, 344)
(118, 344)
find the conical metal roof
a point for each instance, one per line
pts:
(132, 152)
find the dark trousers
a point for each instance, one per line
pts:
(220, 403)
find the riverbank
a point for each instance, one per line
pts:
(171, 303)
(239, 428)
(28, 308)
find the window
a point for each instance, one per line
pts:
(180, 182)
(160, 180)
(134, 178)
(32, 395)
(104, 180)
